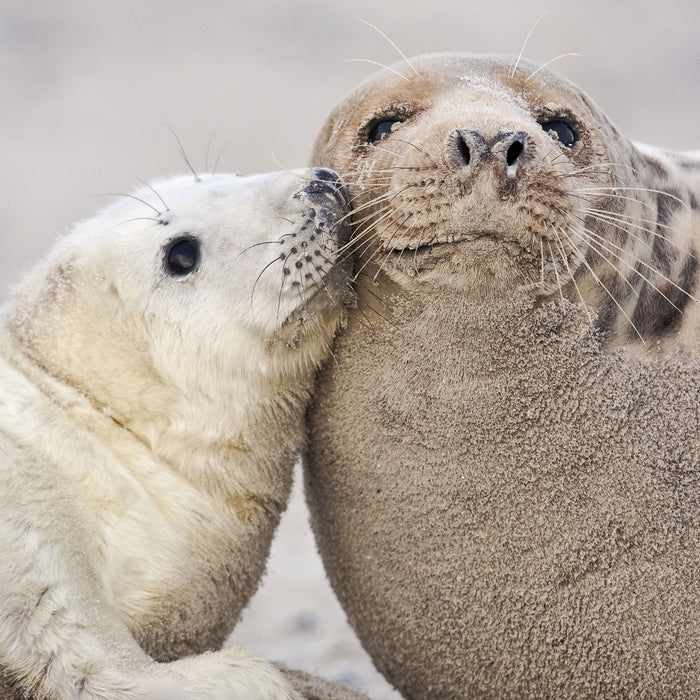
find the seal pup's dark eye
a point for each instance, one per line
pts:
(563, 130)
(182, 256)
(381, 128)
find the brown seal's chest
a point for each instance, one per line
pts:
(505, 518)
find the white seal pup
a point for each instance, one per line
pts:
(504, 460)
(154, 371)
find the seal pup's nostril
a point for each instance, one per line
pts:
(328, 182)
(327, 175)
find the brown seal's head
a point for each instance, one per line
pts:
(469, 172)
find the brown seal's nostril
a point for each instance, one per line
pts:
(513, 152)
(466, 149)
(511, 147)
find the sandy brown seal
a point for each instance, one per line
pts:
(503, 466)
(154, 371)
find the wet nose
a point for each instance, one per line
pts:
(510, 147)
(325, 181)
(467, 151)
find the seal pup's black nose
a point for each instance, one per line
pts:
(328, 182)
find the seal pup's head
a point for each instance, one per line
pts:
(219, 291)
(472, 173)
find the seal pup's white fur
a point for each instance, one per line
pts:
(154, 371)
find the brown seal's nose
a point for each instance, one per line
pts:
(467, 151)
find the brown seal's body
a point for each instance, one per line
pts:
(503, 460)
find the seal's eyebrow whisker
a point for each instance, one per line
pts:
(515, 61)
(398, 50)
(141, 218)
(206, 153)
(547, 63)
(183, 154)
(375, 63)
(156, 193)
(138, 199)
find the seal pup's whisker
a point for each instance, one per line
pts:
(207, 151)
(257, 245)
(138, 199)
(183, 154)
(156, 193)
(156, 222)
(257, 279)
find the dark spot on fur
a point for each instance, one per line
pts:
(657, 168)
(667, 204)
(660, 306)
(607, 315)
(41, 597)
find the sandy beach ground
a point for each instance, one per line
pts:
(90, 91)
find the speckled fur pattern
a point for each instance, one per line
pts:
(503, 461)
(154, 371)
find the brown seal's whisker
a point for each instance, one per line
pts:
(607, 291)
(627, 220)
(565, 258)
(638, 189)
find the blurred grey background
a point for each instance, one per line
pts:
(90, 90)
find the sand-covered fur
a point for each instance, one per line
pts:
(154, 370)
(503, 467)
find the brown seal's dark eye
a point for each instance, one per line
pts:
(381, 128)
(182, 256)
(563, 130)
